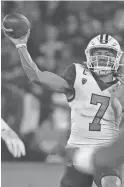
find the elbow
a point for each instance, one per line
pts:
(33, 78)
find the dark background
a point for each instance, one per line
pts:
(59, 35)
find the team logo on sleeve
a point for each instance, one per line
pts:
(84, 80)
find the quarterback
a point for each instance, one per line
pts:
(13, 142)
(90, 90)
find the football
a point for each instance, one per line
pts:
(15, 25)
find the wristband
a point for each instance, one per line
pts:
(21, 45)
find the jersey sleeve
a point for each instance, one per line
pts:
(69, 76)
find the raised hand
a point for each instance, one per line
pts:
(22, 40)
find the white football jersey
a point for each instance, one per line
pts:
(95, 111)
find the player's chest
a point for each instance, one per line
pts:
(86, 85)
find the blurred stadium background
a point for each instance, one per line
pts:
(60, 32)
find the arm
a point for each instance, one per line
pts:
(12, 141)
(45, 78)
(120, 97)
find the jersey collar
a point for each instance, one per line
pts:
(102, 85)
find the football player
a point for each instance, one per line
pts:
(90, 91)
(13, 142)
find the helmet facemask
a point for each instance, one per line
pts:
(102, 64)
(107, 61)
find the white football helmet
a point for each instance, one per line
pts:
(102, 64)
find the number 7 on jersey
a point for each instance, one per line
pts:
(104, 101)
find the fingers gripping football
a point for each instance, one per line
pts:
(22, 40)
